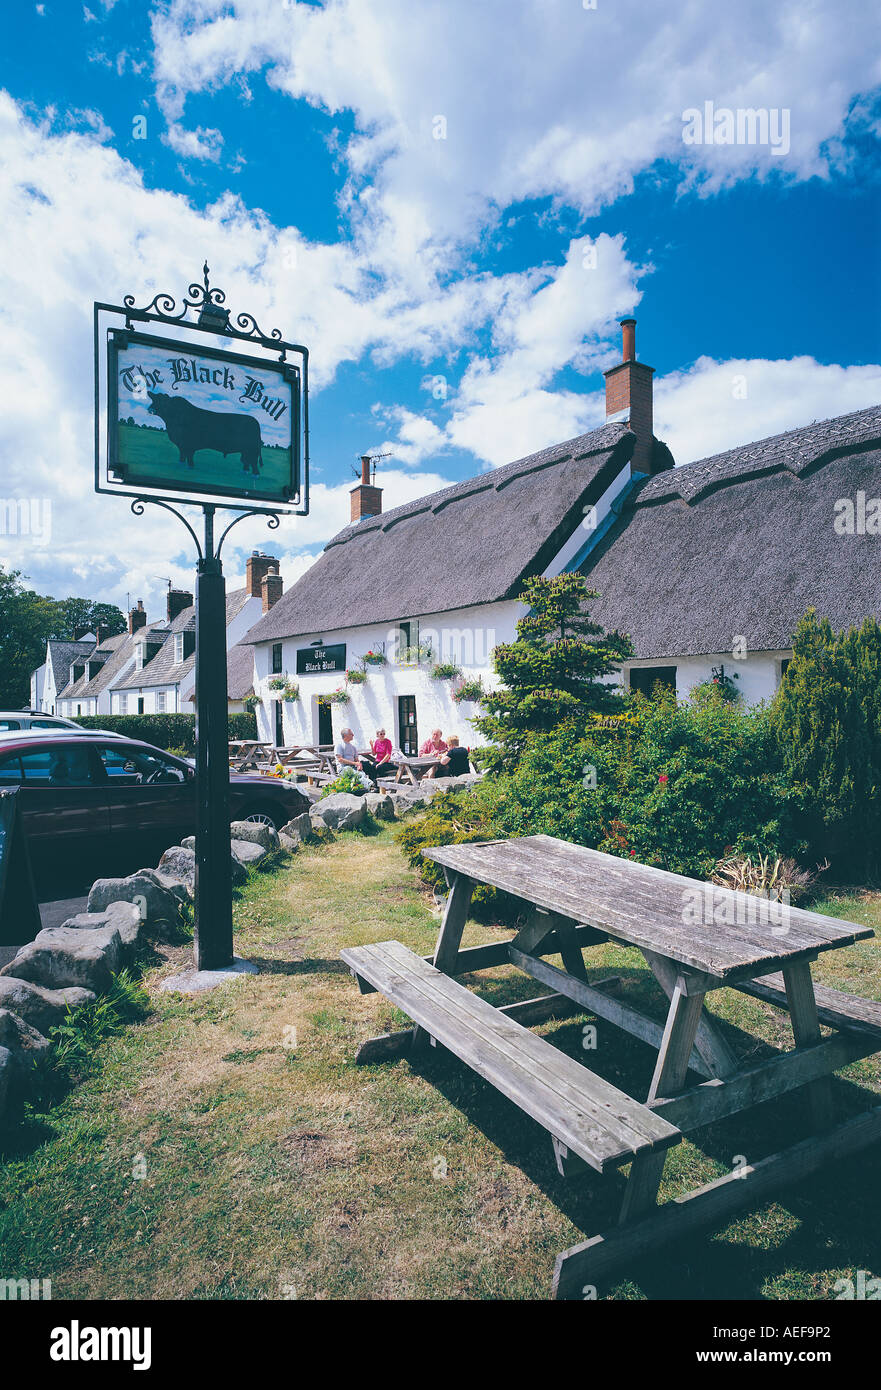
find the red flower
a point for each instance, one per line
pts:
(663, 777)
(633, 854)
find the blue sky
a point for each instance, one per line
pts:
(459, 294)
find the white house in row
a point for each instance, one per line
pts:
(707, 567)
(150, 668)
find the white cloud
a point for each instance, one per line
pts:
(541, 99)
(194, 144)
(703, 411)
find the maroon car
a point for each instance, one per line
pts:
(107, 798)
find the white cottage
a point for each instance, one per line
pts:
(708, 567)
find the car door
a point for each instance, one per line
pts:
(151, 795)
(63, 796)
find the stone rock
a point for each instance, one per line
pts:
(157, 901)
(169, 882)
(125, 917)
(288, 845)
(239, 873)
(41, 1008)
(257, 833)
(300, 828)
(380, 805)
(340, 811)
(26, 1044)
(180, 863)
(248, 854)
(5, 1077)
(62, 957)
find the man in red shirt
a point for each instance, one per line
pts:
(434, 746)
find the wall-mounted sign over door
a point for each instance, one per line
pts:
(201, 420)
(316, 661)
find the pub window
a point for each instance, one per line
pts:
(645, 678)
(276, 659)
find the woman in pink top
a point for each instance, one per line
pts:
(434, 746)
(382, 747)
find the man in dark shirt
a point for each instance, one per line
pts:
(454, 762)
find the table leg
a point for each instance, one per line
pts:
(709, 1043)
(453, 924)
(669, 1078)
(806, 1030)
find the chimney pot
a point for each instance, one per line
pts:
(628, 338)
(137, 617)
(629, 398)
(272, 587)
(256, 567)
(366, 499)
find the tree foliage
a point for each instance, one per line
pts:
(553, 671)
(827, 715)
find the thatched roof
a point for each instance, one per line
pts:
(469, 544)
(741, 544)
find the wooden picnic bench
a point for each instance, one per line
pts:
(695, 938)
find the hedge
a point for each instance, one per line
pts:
(166, 730)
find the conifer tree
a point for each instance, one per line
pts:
(553, 672)
(827, 715)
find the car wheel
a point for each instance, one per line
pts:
(263, 816)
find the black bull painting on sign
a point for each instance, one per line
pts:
(190, 428)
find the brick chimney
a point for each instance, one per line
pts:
(366, 499)
(257, 566)
(178, 600)
(137, 617)
(272, 586)
(629, 399)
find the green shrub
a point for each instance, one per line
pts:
(679, 788)
(827, 717)
(452, 818)
(345, 782)
(168, 731)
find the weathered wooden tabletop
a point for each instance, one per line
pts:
(700, 925)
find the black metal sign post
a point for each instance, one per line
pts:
(222, 432)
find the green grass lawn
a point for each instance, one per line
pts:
(149, 453)
(273, 1167)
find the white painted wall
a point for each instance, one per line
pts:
(759, 672)
(466, 636)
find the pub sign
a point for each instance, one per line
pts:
(317, 661)
(201, 420)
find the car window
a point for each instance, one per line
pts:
(46, 724)
(137, 766)
(67, 766)
(10, 771)
(10, 724)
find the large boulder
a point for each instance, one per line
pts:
(157, 901)
(5, 1078)
(61, 957)
(125, 917)
(179, 863)
(266, 836)
(239, 872)
(41, 1008)
(380, 805)
(248, 854)
(340, 811)
(298, 829)
(26, 1044)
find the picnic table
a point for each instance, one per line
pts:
(411, 766)
(695, 937)
(247, 752)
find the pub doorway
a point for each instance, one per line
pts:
(325, 724)
(408, 735)
(279, 723)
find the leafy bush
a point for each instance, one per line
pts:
(679, 789)
(345, 782)
(452, 818)
(827, 716)
(166, 730)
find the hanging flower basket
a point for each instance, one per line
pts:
(356, 677)
(336, 697)
(278, 682)
(445, 671)
(374, 658)
(469, 691)
(292, 691)
(251, 702)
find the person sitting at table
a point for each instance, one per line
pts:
(453, 763)
(347, 759)
(381, 748)
(434, 746)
